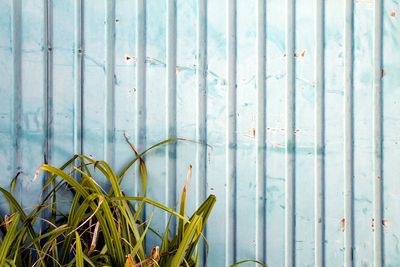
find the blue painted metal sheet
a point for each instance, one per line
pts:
(297, 102)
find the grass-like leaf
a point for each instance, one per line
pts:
(99, 226)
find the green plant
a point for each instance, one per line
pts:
(102, 227)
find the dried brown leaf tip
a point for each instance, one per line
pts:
(150, 261)
(130, 261)
(155, 253)
(7, 222)
(189, 174)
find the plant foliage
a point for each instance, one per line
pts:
(103, 227)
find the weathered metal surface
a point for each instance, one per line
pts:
(297, 100)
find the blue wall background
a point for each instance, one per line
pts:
(297, 100)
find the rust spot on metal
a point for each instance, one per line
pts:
(373, 225)
(393, 13)
(80, 50)
(383, 73)
(343, 224)
(253, 132)
(269, 129)
(301, 53)
(129, 58)
(117, 20)
(37, 173)
(379, 177)
(385, 222)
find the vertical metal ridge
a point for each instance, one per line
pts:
(48, 92)
(260, 132)
(319, 149)
(377, 134)
(110, 82)
(290, 137)
(78, 79)
(201, 129)
(201, 100)
(16, 105)
(348, 134)
(48, 79)
(231, 143)
(171, 103)
(141, 76)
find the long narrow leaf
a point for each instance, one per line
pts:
(79, 253)
(247, 261)
(8, 239)
(193, 229)
(27, 221)
(154, 203)
(129, 165)
(142, 166)
(183, 205)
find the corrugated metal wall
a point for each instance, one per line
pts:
(297, 100)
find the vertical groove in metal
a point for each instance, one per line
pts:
(290, 137)
(201, 127)
(319, 149)
(110, 81)
(16, 105)
(231, 134)
(348, 134)
(78, 79)
(377, 133)
(48, 79)
(201, 100)
(171, 103)
(260, 131)
(48, 91)
(141, 76)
